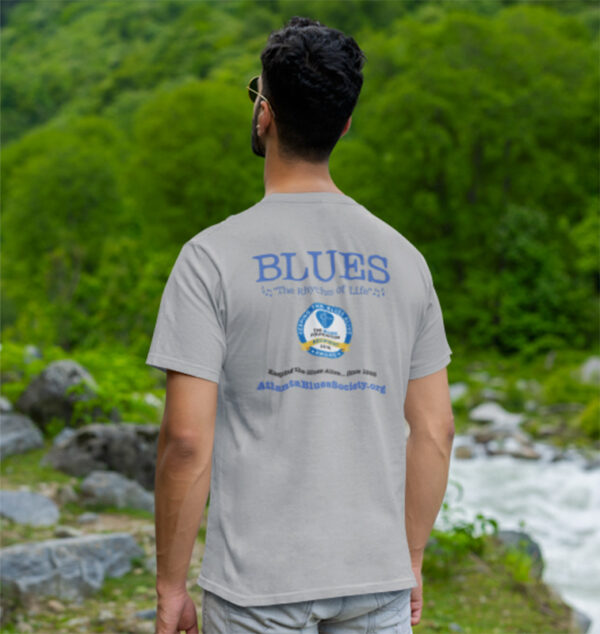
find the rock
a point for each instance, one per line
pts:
(67, 531)
(146, 614)
(127, 448)
(88, 518)
(46, 396)
(492, 412)
(494, 448)
(31, 353)
(531, 405)
(69, 569)
(491, 394)
(26, 507)
(512, 447)
(63, 436)
(523, 542)
(455, 627)
(5, 404)
(65, 494)
(18, 434)
(592, 463)
(105, 615)
(525, 452)
(560, 454)
(463, 452)
(590, 370)
(510, 444)
(548, 429)
(554, 593)
(492, 432)
(109, 488)
(522, 436)
(581, 622)
(457, 391)
(486, 434)
(55, 606)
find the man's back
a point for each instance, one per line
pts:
(312, 314)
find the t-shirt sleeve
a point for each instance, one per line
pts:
(189, 334)
(431, 351)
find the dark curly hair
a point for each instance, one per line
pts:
(312, 78)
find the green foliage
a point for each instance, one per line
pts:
(127, 131)
(547, 388)
(54, 426)
(122, 383)
(563, 385)
(189, 126)
(19, 367)
(447, 548)
(518, 563)
(589, 420)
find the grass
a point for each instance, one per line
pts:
(25, 469)
(483, 596)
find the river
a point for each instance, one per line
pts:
(559, 502)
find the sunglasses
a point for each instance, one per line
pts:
(253, 93)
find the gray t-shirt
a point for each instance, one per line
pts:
(311, 314)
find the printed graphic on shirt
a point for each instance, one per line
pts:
(324, 330)
(348, 273)
(319, 378)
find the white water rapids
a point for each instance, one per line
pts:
(559, 503)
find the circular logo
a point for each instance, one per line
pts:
(324, 330)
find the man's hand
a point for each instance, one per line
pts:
(176, 612)
(416, 598)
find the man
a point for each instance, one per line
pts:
(295, 335)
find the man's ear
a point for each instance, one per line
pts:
(346, 127)
(267, 111)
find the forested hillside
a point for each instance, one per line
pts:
(126, 130)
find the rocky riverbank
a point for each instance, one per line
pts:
(77, 508)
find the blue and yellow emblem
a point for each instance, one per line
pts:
(324, 330)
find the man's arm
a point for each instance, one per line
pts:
(428, 411)
(182, 481)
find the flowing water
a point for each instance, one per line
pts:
(559, 503)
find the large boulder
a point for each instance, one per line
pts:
(48, 395)
(109, 488)
(525, 543)
(128, 448)
(69, 568)
(27, 507)
(18, 434)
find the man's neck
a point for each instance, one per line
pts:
(294, 177)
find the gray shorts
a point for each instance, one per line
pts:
(376, 612)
